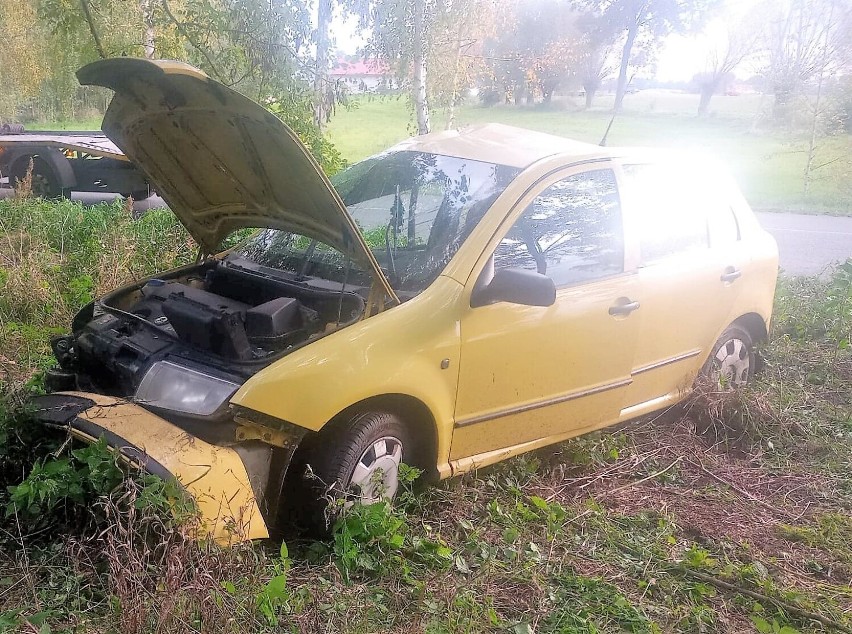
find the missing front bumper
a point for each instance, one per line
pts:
(215, 477)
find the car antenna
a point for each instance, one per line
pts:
(606, 134)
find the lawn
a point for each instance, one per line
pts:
(768, 165)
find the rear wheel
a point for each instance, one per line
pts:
(355, 462)
(732, 360)
(43, 183)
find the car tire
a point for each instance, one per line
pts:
(44, 181)
(732, 360)
(355, 460)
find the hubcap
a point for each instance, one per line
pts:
(733, 363)
(376, 476)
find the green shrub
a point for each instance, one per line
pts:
(55, 257)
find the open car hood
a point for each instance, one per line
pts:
(221, 161)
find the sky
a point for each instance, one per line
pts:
(679, 59)
(682, 56)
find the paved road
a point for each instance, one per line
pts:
(807, 244)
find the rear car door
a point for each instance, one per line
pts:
(529, 373)
(691, 263)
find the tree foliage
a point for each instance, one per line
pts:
(538, 47)
(641, 25)
(255, 46)
(804, 40)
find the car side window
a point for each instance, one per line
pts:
(672, 209)
(571, 232)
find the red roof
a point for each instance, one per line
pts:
(344, 68)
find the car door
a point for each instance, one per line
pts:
(529, 373)
(689, 275)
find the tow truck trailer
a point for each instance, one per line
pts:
(67, 161)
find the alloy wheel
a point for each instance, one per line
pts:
(376, 474)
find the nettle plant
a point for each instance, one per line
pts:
(374, 540)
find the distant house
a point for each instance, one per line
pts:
(363, 75)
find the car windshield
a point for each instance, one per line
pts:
(415, 209)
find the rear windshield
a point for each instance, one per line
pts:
(414, 210)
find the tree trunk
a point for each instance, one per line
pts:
(148, 38)
(781, 104)
(418, 84)
(92, 29)
(590, 94)
(625, 63)
(707, 92)
(321, 68)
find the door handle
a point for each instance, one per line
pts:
(730, 274)
(623, 309)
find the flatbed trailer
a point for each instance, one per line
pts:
(66, 161)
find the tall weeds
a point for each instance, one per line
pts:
(55, 257)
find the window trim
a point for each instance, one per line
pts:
(519, 205)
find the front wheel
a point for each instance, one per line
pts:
(356, 461)
(732, 360)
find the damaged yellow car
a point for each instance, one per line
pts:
(461, 298)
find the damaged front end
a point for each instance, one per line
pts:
(236, 487)
(152, 366)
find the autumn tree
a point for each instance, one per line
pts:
(456, 51)
(537, 48)
(24, 64)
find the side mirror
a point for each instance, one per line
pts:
(516, 286)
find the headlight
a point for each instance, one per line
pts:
(181, 389)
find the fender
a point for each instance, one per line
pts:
(60, 165)
(394, 352)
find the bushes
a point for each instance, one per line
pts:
(55, 257)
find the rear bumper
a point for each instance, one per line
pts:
(215, 477)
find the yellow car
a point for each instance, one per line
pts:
(463, 297)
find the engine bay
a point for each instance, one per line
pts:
(216, 315)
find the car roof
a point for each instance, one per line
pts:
(501, 144)
(518, 147)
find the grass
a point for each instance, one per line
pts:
(768, 165)
(92, 123)
(729, 514)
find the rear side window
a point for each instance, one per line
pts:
(571, 232)
(672, 207)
